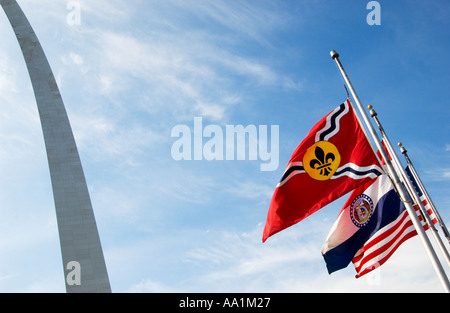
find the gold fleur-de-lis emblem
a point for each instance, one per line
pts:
(321, 160)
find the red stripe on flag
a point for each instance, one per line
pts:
(405, 228)
(385, 258)
(382, 236)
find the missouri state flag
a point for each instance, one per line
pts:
(333, 159)
(369, 208)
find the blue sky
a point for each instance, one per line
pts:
(132, 71)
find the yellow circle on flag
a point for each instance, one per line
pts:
(321, 160)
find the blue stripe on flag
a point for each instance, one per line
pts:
(386, 210)
(411, 177)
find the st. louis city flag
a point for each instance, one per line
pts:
(332, 160)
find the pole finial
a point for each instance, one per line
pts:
(400, 144)
(372, 111)
(334, 54)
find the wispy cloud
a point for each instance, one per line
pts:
(107, 139)
(241, 263)
(252, 21)
(251, 190)
(7, 76)
(446, 173)
(128, 74)
(149, 286)
(196, 80)
(242, 257)
(178, 64)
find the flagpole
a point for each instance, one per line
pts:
(395, 178)
(410, 187)
(424, 191)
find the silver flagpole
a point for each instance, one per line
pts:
(404, 196)
(409, 186)
(424, 191)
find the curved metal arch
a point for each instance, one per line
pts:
(82, 254)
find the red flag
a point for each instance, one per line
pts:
(333, 159)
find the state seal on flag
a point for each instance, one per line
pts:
(361, 210)
(321, 160)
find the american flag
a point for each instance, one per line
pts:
(379, 248)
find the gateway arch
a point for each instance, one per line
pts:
(83, 261)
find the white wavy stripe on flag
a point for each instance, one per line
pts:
(379, 249)
(292, 169)
(381, 258)
(357, 172)
(350, 169)
(329, 119)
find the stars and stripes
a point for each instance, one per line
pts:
(382, 245)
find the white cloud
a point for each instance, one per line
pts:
(446, 173)
(188, 186)
(149, 286)
(291, 262)
(215, 112)
(128, 74)
(7, 76)
(251, 190)
(114, 82)
(243, 18)
(76, 58)
(106, 138)
(110, 11)
(178, 65)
